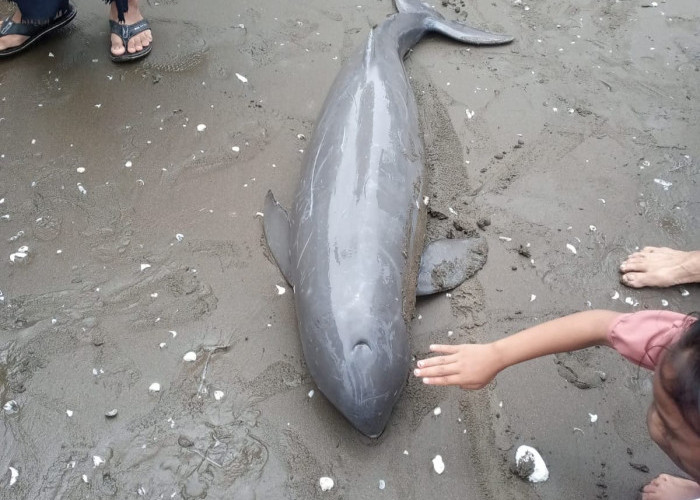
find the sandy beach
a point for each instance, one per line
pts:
(138, 193)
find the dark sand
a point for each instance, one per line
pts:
(602, 95)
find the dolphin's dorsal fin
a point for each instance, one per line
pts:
(276, 226)
(445, 264)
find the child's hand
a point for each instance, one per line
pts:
(469, 366)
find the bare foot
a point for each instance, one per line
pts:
(136, 42)
(9, 41)
(661, 267)
(666, 487)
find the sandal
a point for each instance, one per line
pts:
(33, 31)
(126, 32)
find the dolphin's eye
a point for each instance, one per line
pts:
(362, 345)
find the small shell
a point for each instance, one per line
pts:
(97, 460)
(326, 483)
(280, 290)
(14, 474)
(69, 413)
(190, 356)
(571, 248)
(111, 413)
(438, 464)
(241, 78)
(218, 395)
(594, 417)
(437, 411)
(154, 387)
(145, 266)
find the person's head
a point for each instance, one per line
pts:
(674, 414)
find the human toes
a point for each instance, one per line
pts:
(117, 45)
(139, 41)
(633, 280)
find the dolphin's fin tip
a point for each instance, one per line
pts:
(445, 264)
(277, 230)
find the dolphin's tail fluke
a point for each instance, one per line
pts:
(434, 21)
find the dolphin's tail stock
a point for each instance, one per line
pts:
(434, 21)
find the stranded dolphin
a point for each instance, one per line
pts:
(351, 245)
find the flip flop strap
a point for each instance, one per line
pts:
(125, 32)
(9, 27)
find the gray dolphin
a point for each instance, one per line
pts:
(351, 246)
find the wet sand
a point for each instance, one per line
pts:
(583, 132)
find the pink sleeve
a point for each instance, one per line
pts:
(642, 336)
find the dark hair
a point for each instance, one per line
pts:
(683, 384)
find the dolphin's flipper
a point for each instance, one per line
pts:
(276, 226)
(467, 34)
(447, 263)
(434, 21)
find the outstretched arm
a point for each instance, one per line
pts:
(472, 366)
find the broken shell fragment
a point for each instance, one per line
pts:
(438, 464)
(111, 413)
(326, 483)
(154, 387)
(530, 465)
(190, 356)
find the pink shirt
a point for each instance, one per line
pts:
(642, 336)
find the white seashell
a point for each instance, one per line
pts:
(179, 237)
(201, 127)
(326, 483)
(533, 297)
(615, 295)
(470, 114)
(173, 333)
(280, 290)
(218, 395)
(241, 78)
(382, 484)
(405, 452)
(128, 164)
(14, 474)
(571, 248)
(97, 460)
(80, 170)
(529, 454)
(154, 387)
(629, 301)
(594, 417)
(438, 464)
(437, 411)
(505, 238)
(426, 200)
(664, 302)
(235, 149)
(154, 295)
(145, 266)
(162, 345)
(11, 407)
(684, 292)
(592, 228)
(664, 184)
(85, 478)
(190, 356)
(69, 413)
(311, 393)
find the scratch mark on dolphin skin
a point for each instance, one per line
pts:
(301, 254)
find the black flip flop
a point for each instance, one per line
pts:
(126, 32)
(33, 31)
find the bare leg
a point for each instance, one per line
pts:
(137, 42)
(660, 267)
(666, 487)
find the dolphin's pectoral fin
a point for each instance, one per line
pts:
(464, 33)
(276, 226)
(445, 264)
